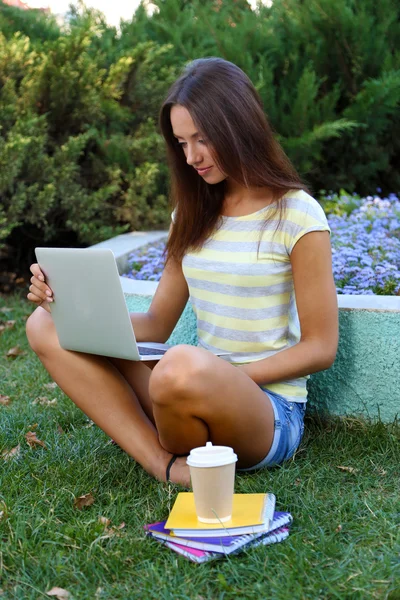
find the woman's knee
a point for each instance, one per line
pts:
(41, 332)
(177, 375)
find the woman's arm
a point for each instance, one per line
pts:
(318, 314)
(157, 324)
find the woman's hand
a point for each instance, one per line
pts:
(39, 291)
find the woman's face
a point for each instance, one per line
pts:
(198, 154)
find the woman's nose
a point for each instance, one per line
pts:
(192, 156)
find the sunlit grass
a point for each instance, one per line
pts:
(344, 541)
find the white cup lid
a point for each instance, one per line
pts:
(211, 456)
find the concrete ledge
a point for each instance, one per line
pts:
(365, 378)
(367, 302)
(135, 286)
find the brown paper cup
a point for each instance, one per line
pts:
(212, 471)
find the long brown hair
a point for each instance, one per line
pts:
(228, 112)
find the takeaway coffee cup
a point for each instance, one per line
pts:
(212, 471)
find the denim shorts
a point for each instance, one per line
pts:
(289, 429)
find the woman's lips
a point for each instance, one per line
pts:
(204, 171)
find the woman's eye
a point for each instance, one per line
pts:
(182, 144)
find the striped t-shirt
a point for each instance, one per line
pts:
(241, 289)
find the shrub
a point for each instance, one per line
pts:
(80, 154)
(331, 91)
(74, 155)
(34, 24)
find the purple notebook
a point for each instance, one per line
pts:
(221, 545)
(201, 556)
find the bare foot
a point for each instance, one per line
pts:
(179, 472)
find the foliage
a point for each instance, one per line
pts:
(35, 24)
(331, 91)
(366, 246)
(80, 154)
(147, 263)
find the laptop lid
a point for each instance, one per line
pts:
(89, 309)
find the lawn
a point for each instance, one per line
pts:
(342, 488)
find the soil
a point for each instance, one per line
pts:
(14, 277)
(18, 254)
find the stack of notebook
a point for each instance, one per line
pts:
(254, 522)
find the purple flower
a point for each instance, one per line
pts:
(365, 246)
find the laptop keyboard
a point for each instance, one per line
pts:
(145, 351)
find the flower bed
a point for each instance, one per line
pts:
(365, 246)
(147, 262)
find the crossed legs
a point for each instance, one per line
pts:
(188, 398)
(197, 397)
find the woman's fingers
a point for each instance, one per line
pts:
(36, 300)
(36, 272)
(38, 294)
(41, 287)
(39, 291)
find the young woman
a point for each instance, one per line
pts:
(251, 249)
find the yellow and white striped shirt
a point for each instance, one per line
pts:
(241, 289)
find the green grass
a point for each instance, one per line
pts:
(344, 542)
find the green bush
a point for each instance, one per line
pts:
(80, 153)
(35, 24)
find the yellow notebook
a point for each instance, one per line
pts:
(251, 513)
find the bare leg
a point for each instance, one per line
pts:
(99, 389)
(199, 397)
(137, 374)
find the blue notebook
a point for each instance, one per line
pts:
(221, 544)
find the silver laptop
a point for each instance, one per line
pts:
(89, 309)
